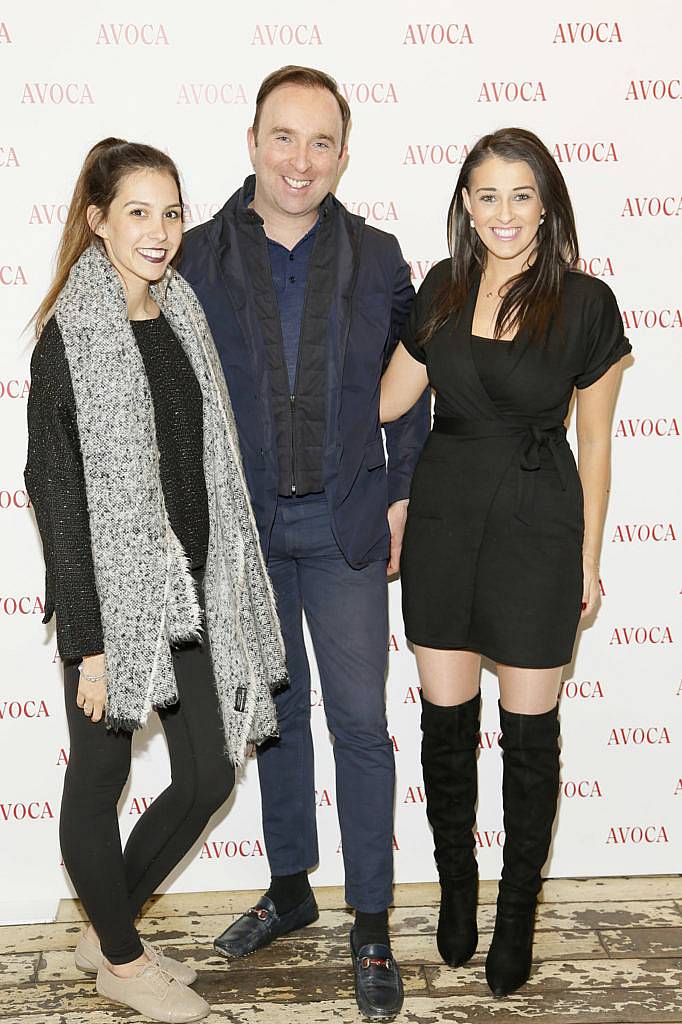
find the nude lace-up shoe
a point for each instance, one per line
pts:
(89, 958)
(154, 993)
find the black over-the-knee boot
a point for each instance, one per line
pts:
(530, 787)
(449, 744)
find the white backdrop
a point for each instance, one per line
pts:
(600, 82)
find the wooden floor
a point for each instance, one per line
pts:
(607, 949)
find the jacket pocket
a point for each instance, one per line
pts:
(374, 454)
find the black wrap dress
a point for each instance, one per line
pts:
(492, 555)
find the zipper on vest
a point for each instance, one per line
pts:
(292, 401)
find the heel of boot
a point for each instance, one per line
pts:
(457, 935)
(509, 961)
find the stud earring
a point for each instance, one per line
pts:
(471, 222)
(542, 220)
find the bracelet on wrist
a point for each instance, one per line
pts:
(90, 678)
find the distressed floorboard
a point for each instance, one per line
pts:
(294, 954)
(589, 890)
(608, 949)
(203, 927)
(642, 941)
(608, 1006)
(294, 951)
(556, 890)
(554, 975)
(217, 986)
(236, 984)
(17, 969)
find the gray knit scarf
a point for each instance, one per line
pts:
(146, 591)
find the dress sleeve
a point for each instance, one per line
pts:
(606, 341)
(56, 485)
(421, 309)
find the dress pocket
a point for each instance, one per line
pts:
(427, 494)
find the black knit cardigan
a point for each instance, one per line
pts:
(56, 485)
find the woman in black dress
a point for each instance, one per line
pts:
(501, 548)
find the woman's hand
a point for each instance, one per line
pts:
(590, 586)
(92, 696)
(397, 518)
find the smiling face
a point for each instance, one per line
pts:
(142, 229)
(504, 203)
(297, 155)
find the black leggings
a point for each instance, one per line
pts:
(112, 884)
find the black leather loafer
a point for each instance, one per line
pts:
(378, 985)
(261, 924)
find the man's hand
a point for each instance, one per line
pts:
(397, 516)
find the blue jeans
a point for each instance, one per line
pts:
(347, 614)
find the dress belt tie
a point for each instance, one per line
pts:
(536, 436)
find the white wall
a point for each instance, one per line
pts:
(424, 82)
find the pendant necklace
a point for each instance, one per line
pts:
(489, 294)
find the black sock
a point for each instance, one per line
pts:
(287, 891)
(370, 928)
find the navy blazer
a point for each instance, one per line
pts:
(371, 301)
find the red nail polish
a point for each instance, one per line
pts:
(584, 605)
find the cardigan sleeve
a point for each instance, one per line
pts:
(56, 485)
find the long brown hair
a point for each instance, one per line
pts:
(104, 168)
(533, 295)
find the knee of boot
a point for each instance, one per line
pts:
(457, 725)
(529, 732)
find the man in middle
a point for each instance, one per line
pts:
(306, 302)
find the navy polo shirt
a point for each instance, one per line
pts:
(290, 277)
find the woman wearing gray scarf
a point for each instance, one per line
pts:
(153, 564)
